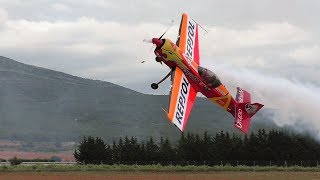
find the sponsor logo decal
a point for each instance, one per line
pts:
(238, 122)
(251, 108)
(190, 41)
(188, 59)
(189, 74)
(240, 95)
(182, 100)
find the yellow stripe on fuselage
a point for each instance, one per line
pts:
(219, 100)
(173, 54)
(224, 99)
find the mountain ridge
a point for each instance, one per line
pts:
(39, 104)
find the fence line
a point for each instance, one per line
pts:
(284, 163)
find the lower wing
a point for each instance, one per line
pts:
(182, 98)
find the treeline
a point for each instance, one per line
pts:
(276, 145)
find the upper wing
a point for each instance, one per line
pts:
(183, 95)
(182, 98)
(188, 40)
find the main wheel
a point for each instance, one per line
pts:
(154, 86)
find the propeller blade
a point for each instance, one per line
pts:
(152, 47)
(166, 30)
(147, 40)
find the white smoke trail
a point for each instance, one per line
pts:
(296, 103)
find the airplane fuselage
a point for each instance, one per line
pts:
(173, 57)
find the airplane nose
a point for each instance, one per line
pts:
(157, 42)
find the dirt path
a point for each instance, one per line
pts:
(162, 176)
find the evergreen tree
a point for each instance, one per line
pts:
(135, 149)
(206, 147)
(152, 150)
(227, 151)
(253, 147)
(92, 151)
(245, 148)
(219, 146)
(142, 153)
(166, 152)
(180, 148)
(120, 150)
(190, 150)
(126, 150)
(198, 154)
(261, 146)
(115, 152)
(236, 148)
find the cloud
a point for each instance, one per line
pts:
(94, 37)
(110, 49)
(86, 47)
(61, 7)
(84, 35)
(305, 55)
(222, 39)
(3, 17)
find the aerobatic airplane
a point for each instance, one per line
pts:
(188, 78)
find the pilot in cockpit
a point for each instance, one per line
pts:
(209, 77)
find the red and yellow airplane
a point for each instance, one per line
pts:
(189, 78)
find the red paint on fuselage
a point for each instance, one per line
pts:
(192, 74)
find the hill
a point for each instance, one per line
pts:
(42, 105)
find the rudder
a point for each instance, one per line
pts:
(244, 110)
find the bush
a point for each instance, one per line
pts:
(15, 161)
(55, 159)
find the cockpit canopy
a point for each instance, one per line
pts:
(209, 77)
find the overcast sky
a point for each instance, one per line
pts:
(103, 39)
(269, 47)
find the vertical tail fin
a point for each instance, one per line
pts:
(244, 110)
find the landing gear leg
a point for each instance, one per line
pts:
(156, 85)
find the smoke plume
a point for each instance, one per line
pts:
(295, 103)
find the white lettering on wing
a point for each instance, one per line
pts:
(181, 107)
(190, 39)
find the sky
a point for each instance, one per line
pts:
(269, 47)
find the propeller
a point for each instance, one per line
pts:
(150, 40)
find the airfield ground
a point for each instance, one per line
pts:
(159, 176)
